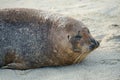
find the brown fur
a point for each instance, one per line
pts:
(45, 29)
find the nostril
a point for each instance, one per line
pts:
(94, 44)
(97, 43)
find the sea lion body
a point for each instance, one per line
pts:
(32, 38)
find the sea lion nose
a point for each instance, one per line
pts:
(94, 44)
(97, 43)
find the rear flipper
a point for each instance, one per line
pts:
(20, 66)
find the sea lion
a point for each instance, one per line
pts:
(31, 38)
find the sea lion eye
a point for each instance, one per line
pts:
(78, 36)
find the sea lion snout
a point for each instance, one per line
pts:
(83, 41)
(94, 44)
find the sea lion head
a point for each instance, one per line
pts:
(74, 40)
(82, 41)
(79, 38)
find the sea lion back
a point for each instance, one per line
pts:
(22, 34)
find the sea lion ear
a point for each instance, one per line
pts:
(69, 37)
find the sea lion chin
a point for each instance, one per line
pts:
(33, 38)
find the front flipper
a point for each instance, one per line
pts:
(20, 66)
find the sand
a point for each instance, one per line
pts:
(102, 17)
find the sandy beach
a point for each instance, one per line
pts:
(102, 17)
